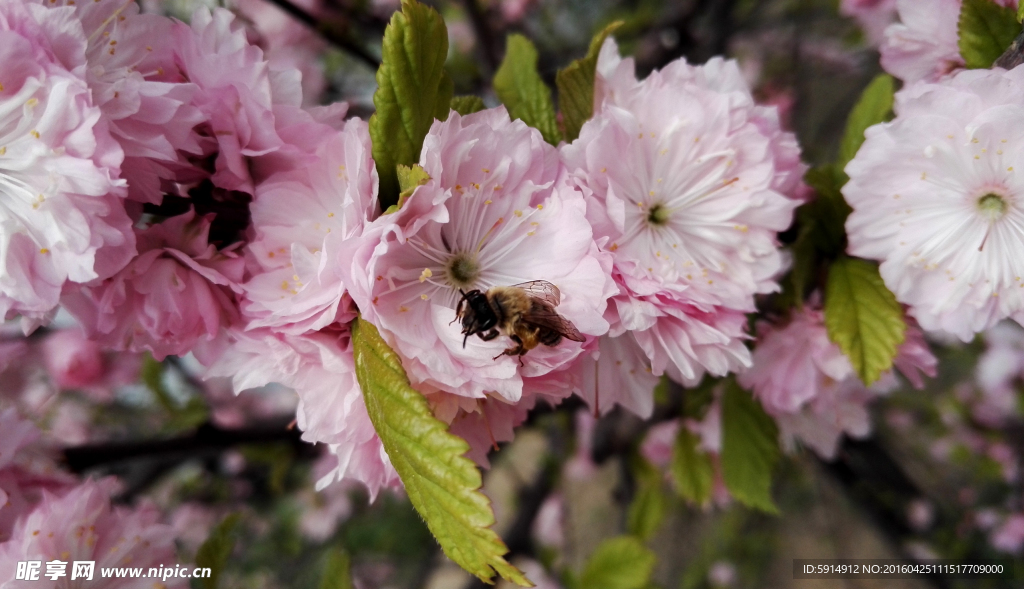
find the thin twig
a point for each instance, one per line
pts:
(329, 33)
(484, 35)
(1014, 55)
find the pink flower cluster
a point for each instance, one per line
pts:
(46, 515)
(808, 385)
(174, 195)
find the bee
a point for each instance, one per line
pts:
(524, 312)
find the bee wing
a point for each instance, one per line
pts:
(542, 290)
(545, 316)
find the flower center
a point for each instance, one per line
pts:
(992, 206)
(658, 215)
(462, 270)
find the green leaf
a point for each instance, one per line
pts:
(276, 458)
(647, 511)
(986, 30)
(826, 214)
(412, 90)
(467, 105)
(576, 86)
(863, 317)
(750, 449)
(821, 235)
(337, 571)
(622, 562)
(1020, 11)
(691, 468)
(191, 414)
(662, 390)
(873, 107)
(442, 484)
(521, 89)
(216, 550)
(409, 178)
(152, 377)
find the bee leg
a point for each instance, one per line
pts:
(458, 311)
(517, 350)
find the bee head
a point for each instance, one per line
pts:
(476, 313)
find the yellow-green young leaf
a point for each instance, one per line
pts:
(214, 552)
(692, 471)
(873, 107)
(337, 571)
(646, 513)
(1020, 11)
(467, 105)
(750, 449)
(622, 562)
(442, 484)
(986, 30)
(413, 89)
(522, 90)
(576, 86)
(409, 177)
(863, 317)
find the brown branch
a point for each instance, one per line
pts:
(328, 32)
(208, 439)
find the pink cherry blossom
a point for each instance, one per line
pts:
(686, 181)
(549, 527)
(935, 200)
(27, 468)
(74, 361)
(191, 523)
(237, 92)
(495, 212)
(323, 512)
(617, 85)
(621, 376)
(514, 10)
(1009, 537)
(61, 215)
(809, 386)
(177, 296)
(287, 43)
(126, 59)
(873, 16)
(83, 526)
(998, 372)
(658, 445)
(491, 421)
(301, 216)
(659, 442)
(321, 370)
(923, 45)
